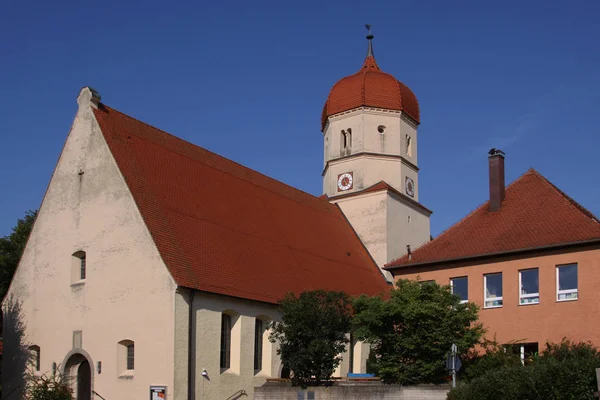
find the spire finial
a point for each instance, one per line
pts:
(370, 37)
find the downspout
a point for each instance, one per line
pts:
(191, 349)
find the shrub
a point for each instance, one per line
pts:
(564, 371)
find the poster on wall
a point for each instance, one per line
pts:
(158, 392)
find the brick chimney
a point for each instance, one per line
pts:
(496, 161)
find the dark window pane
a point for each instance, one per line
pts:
(530, 281)
(567, 277)
(130, 356)
(82, 267)
(460, 287)
(258, 344)
(225, 341)
(493, 286)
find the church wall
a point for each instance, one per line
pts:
(402, 230)
(127, 294)
(368, 216)
(241, 376)
(207, 310)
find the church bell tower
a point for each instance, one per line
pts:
(369, 125)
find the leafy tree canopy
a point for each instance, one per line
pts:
(11, 249)
(413, 329)
(312, 334)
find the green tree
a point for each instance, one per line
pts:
(312, 334)
(11, 249)
(412, 330)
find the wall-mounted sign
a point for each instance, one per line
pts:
(158, 392)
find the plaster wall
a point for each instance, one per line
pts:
(367, 214)
(381, 220)
(407, 225)
(128, 293)
(550, 320)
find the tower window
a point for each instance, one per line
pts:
(381, 129)
(346, 144)
(408, 140)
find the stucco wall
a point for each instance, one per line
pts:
(128, 292)
(352, 391)
(381, 221)
(550, 320)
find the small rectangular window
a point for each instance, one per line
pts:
(130, 356)
(258, 344)
(493, 290)
(566, 282)
(460, 287)
(529, 284)
(225, 341)
(82, 267)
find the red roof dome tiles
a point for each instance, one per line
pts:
(370, 87)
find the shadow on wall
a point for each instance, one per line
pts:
(16, 356)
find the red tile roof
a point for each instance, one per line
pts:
(534, 214)
(372, 88)
(223, 228)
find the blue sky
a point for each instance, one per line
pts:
(248, 80)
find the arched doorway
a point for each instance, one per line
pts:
(78, 371)
(84, 381)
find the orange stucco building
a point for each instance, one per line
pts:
(529, 257)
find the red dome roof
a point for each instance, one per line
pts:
(372, 88)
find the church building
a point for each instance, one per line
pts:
(154, 266)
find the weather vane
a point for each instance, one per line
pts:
(370, 35)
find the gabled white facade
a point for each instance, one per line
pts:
(82, 326)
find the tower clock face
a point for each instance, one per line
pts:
(409, 185)
(344, 181)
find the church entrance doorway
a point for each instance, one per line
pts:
(78, 371)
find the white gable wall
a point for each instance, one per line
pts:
(128, 293)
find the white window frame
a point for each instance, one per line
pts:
(567, 291)
(485, 298)
(452, 287)
(530, 295)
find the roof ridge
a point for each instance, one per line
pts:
(572, 202)
(225, 159)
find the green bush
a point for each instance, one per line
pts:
(564, 371)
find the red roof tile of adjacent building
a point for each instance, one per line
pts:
(224, 228)
(370, 87)
(534, 214)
